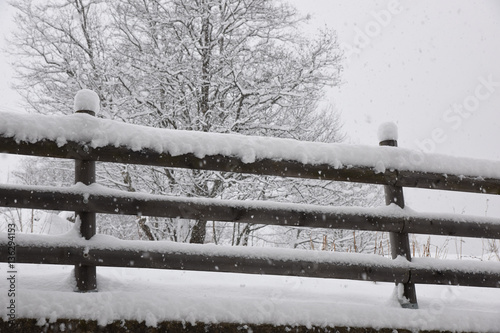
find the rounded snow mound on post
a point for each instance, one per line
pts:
(87, 100)
(387, 131)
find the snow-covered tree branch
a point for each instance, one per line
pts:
(228, 66)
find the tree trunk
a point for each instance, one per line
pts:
(199, 231)
(144, 227)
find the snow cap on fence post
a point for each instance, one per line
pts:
(388, 132)
(86, 101)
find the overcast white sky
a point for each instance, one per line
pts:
(423, 65)
(412, 66)
(432, 67)
(8, 98)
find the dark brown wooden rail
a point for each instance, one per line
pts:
(353, 266)
(101, 200)
(268, 167)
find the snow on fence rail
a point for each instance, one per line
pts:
(87, 139)
(82, 137)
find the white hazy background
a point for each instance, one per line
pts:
(411, 62)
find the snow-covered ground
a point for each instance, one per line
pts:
(46, 292)
(30, 221)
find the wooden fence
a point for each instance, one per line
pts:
(87, 200)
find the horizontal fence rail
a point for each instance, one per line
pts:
(83, 137)
(354, 266)
(99, 199)
(269, 167)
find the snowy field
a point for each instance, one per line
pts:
(45, 292)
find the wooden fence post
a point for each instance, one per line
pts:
(400, 244)
(86, 101)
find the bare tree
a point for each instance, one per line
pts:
(227, 66)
